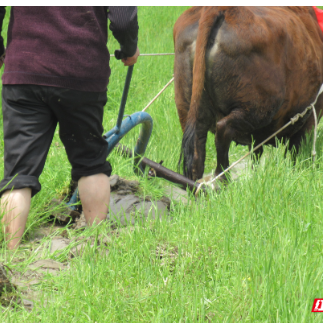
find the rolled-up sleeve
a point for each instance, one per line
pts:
(2, 14)
(124, 27)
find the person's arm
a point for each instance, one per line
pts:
(124, 27)
(2, 49)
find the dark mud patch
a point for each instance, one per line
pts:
(127, 207)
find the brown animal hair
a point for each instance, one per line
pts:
(243, 72)
(208, 19)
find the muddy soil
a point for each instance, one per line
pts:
(127, 207)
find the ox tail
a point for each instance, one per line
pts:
(187, 151)
(207, 20)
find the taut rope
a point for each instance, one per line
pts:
(160, 92)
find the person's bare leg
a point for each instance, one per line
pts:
(94, 193)
(15, 207)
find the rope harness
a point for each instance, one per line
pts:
(291, 122)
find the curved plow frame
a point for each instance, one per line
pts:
(130, 122)
(117, 133)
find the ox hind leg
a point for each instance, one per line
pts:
(183, 85)
(198, 163)
(183, 94)
(194, 140)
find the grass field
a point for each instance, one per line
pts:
(252, 253)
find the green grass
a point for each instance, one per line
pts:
(250, 254)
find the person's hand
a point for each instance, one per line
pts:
(129, 61)
(2, 59)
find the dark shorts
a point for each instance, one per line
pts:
(30, 116)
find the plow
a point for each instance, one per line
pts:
(125, 123)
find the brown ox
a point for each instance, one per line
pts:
(243, 72)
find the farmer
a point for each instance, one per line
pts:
(57, 71)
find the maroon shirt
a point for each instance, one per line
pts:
(66, 46)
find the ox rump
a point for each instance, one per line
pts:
(243, 73)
